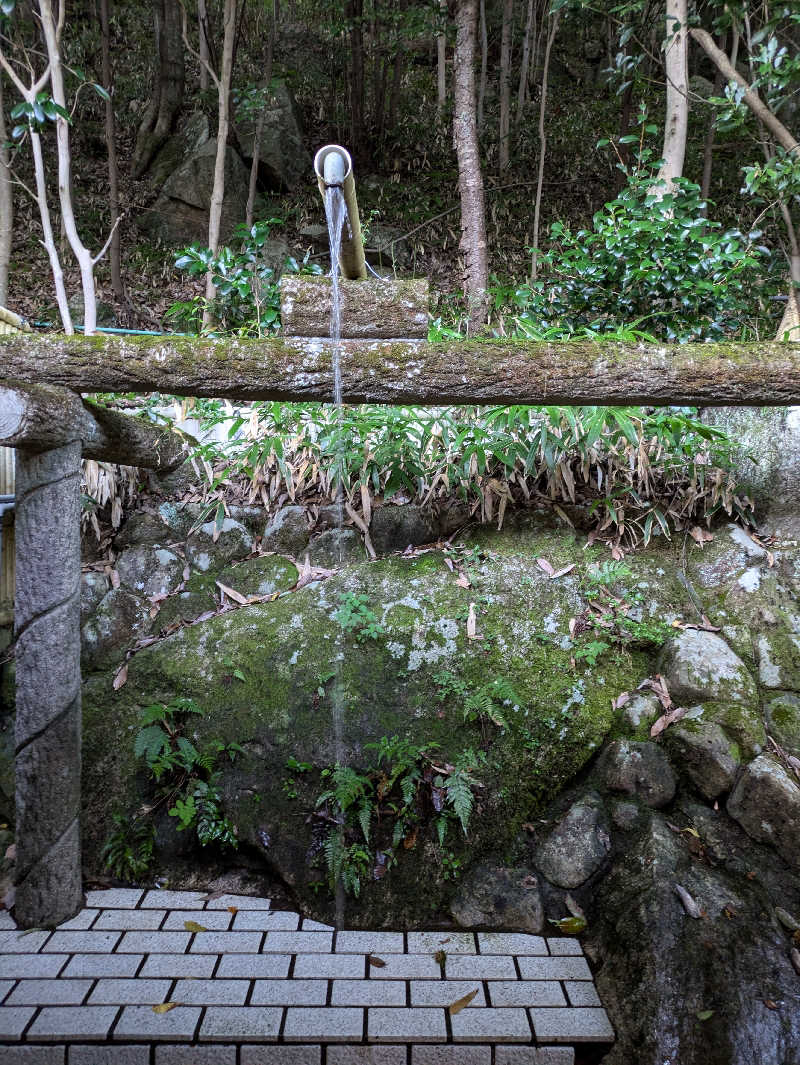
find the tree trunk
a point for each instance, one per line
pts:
(522, 91)
(6, 205)
(484, 62)
(470, 176)
(441, 62)
(167, 99)
(48, 238)
(111, 146)
(262, 117)
(505, 84)
(205, 58)
(551, 36)
(677, 117)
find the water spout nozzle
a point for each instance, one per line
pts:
(334, 169)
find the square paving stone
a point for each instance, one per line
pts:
(572, 1026)
(480, 967)
(323, 966)
(115, 898)
(5, 987)
(224, 942)
(368, 993)
(554, 969)
(152, 942)
(81, 943)
(418, 1025)
(130, 920)
(174, 900)
(562, 946)
(28, 966)
(445, 992)
(252, 1055)
(580, 992)
(241, 902)
(255, 1024)
(511, 943)
(14, 942)
(289, 993)
(491, 1026)
(266, 920)
(406, 967)
(49, 993)
(366, 1055)
(92, 966)
(534, 1056)
(369, 943)
(451, 942)
(305, 1024)
(79, 923)
(254, 966)
(211, 920)
(130, 992)
(179, 965)
(198, 1055)
(89, 1055)
(139, 1022)
(211, 992)
(526, 993)
(449, 1055)
(59, 1023)
(13, 1020)
(294, 942)
(315, 926)
(33, 1055)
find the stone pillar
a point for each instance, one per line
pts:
(48, 723)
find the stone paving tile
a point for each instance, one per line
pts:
(526, 993)
(22, 942)
(572, 1026)
(174, 900)
(33, 1055)
(554, 969)
(211, 992)
(242, 1023)
(242, 902)
(253, 966)
(450, 1055)
(179, 965)
(421, 1025)
(580, 993)
(309, 1055)
(445, 992)
(295, 942)
(13, 1020)
(374, 1055)
(315, 926)
(406, 967)
(213, 920)
(130, 920)
(289, 993)
(81, 943)
(24, 966)
(305, 1024)
(116, 898)
(79, 923)
(451, 942)
(226, 942)
(153, 942)
(139, 1022)
(511, 943)
(49, 993)
(491, 1026)
(5, 987)
(561, 946)
(369, 943)
(323, 966)
(534, 1056)
(197, 1055)
(97, 1055)
(58, 1023)
(92, 966)
(130, 992)
(368, 993)
(264, 920)
(490, 967)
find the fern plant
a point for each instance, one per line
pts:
(128, 852)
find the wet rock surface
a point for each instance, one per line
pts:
(499, 897)
(639, 769)
(578, 846)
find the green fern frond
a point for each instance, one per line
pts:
(150, 742)
(365, 816)
(460, 797)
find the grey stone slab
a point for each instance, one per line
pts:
(81, 943)
(139, 992)
(450, 1055)
(306, 1024)
(415, 1025)
(511, 943)
(89, 1055)
(366, 1055)
(406, 967)
(79, 923)
(562, 947)
(30, 966)
(368, 993)
(315, 926)
(5, 987)
(295, 942)
(153, 942)
(197, 1055)
(174, 900)
(266, 920)
(308, 1055)
(479, 967)
(369, 943)
(289, 993)
(534, 1056)
(224, 942)
(49, 993)
(254, 966)
(526, 993)
(554, 969)
(212, 920)
(55, 1023)
(139, 1022)
(13, 1020)
(446, 992)
(324, 966)
(130, 920)
(572, 1026)
(580, 993)
(93, 966)
(259, 1024)
(491, 1026)
(115, 898)
(179, 965)
(451, 942)
(241, 902)
(33, 1055)
(14, 942)
(211, 992)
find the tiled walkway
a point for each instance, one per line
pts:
(247, 985)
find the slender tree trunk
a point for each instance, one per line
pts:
(484, 63)
(262, 117)
(505, 84)
(677, 116)
(205, 59)
(551, 36)
(522, 91)
(113, 169)
(441, 62)
(470, 176)
(6, 205)
(168, 97)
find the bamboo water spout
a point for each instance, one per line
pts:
(334, 169)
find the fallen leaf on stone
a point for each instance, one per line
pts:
(11, 852)
(233, 909)
(462, 582)
(214, 895)
(691, 907)
(440, 957)
(621, 700)
(114, 578)
(165, 1007)
(573, 907)
(658, 686)
(704, 1015)
(542, 563)
(472, 623)
(729, 911)
(787, 919)
(667, 719)
(187, 572)
(231, 593)
(700, 536)
(570, 926)
(460, 1003)
(794, 955)
(562, 571)
(529, 827)
(530, 882)
(770, 1004)
(120, 678)
(193, 926)
(377, 962)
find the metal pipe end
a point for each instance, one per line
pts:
(333, 165)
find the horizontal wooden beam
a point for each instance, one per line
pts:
(406, 371)
(40, 417)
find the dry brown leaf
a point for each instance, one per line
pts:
(463, 582)
(120, 678)
(231, 593)
(621, 700)
(700, 536)
(114, 578)
(165, 1007)
(233, 909)
(377, 962)
(562, 571)
(472, 623)
(794, 955)
(460, 1003)
(193, 926)
(691, 907)
(666, 720)
(542, 563)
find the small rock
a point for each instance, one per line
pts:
(705, 754)
(640, 769)
(118, 620)
(779, 659)
(699, 666)
(149, 570)
(393, 528)
(783, 720)
(333, 548)
(287, 532)
(177, 481)
(577, 846)
(766, 803)
(94, 586)
(234, 542)
(260, 576)
(143, 528)
(641, 710)
(497, 897)
(625, 815)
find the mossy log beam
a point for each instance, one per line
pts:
(405, 371)
(38, 418)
